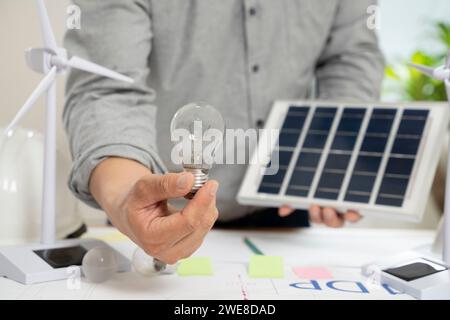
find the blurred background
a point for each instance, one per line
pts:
(409, 30)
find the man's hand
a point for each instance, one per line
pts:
(327, 216)
(163, 232)
(143, 214)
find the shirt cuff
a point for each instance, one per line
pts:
(83, 166)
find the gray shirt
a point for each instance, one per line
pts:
(238, 55)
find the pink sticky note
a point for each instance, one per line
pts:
(312, 273)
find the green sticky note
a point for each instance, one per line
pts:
(195, 266)
(266, 267)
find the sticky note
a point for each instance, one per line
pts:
(266, 267)
(195, 266)
(312, 273)
(110, 237)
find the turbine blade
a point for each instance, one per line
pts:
(425, 70)
(47, 32)
(79, 63)
(43, 86)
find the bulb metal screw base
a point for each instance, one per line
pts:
(158, 265)
(200, 176)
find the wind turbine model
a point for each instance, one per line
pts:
(50, 259)
(443, 73)
(421, 273)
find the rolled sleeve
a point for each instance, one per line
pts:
(351, 66)
(103, 117)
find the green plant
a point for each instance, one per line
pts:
(409, 84)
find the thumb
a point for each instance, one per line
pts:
(154, 188)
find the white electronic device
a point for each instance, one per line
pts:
(376, 158)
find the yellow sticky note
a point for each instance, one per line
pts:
(195, 266)
(266, 267)
(110, 237)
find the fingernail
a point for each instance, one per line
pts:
(182, 180)
(213, 188)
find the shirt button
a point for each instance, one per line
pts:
(255, 68)
(259, 123)
(252, 11)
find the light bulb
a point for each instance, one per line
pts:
(148, 266)
(201, 128)
(99, 264)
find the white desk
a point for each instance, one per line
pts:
(342, 251)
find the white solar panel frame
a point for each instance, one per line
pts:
(422, 174)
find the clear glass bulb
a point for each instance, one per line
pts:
(99, 264)
(147, 266)
(201, 128)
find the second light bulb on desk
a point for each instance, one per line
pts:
(200, 128)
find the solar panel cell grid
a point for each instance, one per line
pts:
(331, 180)
(357, 197)
(324, 194)
(356, 154)
(337, 162)
(294, 122)
(297, 191)
(374, 144)
(367, 164)
(394, 186)
(406, 146)
(344, 142)
(393, 202)
(370, 155)
(308, 159)
(315, 140)
(349, 124)
(266, 188)
(411, 127)
(362, 183)
(289, 135)
(288, 139)
(399, 168)
(302, 178)
(340, 154)
(275, 178)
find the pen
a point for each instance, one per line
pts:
(252, 246)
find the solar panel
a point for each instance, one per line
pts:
(375, 158)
